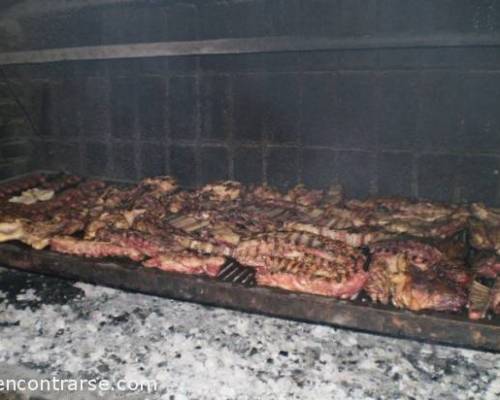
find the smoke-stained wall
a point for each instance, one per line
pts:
(414, 122)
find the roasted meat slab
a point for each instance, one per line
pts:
(312, 275)
(485, 228)
(95, 249)
(304, 262)
(415, 276)
(187, 263)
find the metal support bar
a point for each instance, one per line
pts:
(245, 45)
(26, 8)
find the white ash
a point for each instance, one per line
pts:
(208, 353)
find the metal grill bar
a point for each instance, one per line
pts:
(242, 46)
(234, 272)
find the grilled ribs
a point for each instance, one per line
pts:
(311, 274)
(304, 262)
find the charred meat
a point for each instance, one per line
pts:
(415, 276)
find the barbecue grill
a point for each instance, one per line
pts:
(383, 98)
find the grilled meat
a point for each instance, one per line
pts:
(415, 276)
(486, 264)
(361, 223)
(483, 213)
(94, 249)
(419, 219)
(454, 247)
(81, 197)
(223, 233)
(427, 290)
(495, 297)
(187, 263)
(420, 254)
(300, 195)
(484, 227)
(312, 275)
(64, 214)
(61, 182)
(188, 222)
(38, 233)
(19, 185)
(455, 271)
(222, 191)
(141, 242)
(160, 184)
(203, 247)
(479, 300)
(378, 203)
(304, 262)
(37, 188)
(263, 192)
(484, 235)
(304, 240)
(334, 196)
(294, 245)
(167, 251)
(355, 237)
(484, 292)
(123, 219)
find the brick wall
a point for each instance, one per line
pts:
(15, 135)
(416, 122)
(15, 132)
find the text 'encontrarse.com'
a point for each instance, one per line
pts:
(76, 385)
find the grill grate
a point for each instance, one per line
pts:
(234, 272)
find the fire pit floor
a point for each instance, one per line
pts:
(198, 352)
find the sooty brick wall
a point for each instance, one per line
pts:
(416, 122)
(15, 133)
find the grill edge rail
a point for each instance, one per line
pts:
(243, 46)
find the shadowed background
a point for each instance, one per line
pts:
(421, 122)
